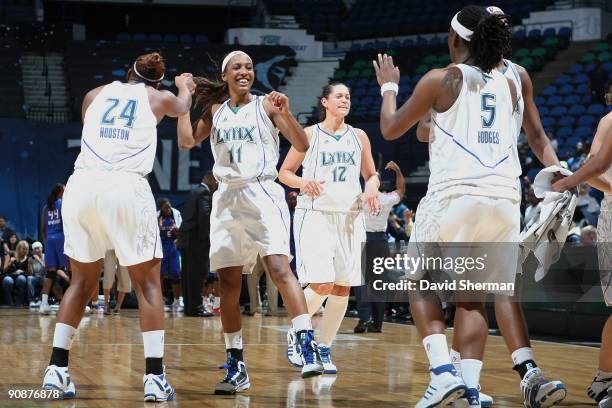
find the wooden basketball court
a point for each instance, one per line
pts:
(375, 370)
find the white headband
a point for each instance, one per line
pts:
(460, 29)
(145, 78)
(231, 55)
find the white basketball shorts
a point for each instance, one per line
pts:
(328, 246)
(468, 219)
(105, 210)
(248, 220)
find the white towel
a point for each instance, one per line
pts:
(545, 235)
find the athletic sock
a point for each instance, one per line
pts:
(45, 299)
(470, 371)
(301, 322)
(233, 344)
(455, 357)
(313, 300)
(335, 308)
(436, 348)
(62, 342)
(523, 360)
(153, 342)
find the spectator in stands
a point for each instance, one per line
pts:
(597, 81)
(169, 220)
(16, 270)
(10, 245)
(5, 231)
(579, 157)
(587, 204)
(36, 273)
(400, 212)
(533, 208)
(588, 235)
(395, 229)
(553, 142)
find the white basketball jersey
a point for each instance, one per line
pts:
(119, 131)
(244, 143)
(474, 149)
(512, 74)
(335, 159)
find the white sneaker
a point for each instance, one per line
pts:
(328, 366)
(606, 402)
(444, 388)
(538, 392)
(176, 306)
(34, 305)
(57, 378)
(486, 400)
(87, 310)
(181, 303)
(599, 387)
(156, 388)
(293, 349)
(44, 308)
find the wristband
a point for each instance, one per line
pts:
(389, 86)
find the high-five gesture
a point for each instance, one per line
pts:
(385, 70)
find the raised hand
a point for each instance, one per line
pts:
(279, 100)
(385, 70)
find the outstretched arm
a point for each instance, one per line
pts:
(400, 183)
(394, 123)
(180, 104)
(600, 161)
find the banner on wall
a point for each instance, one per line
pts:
(300, 41)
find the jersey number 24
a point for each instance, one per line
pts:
(128, 112)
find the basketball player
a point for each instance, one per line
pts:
(473, 194)
(536, 390)
(598, 163)
(53, 236)
(328, 224)
(249, 213)
(108, 204)
(171, 263)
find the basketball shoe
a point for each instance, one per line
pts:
(599, 387)
(236, 377)
(444, 388)
(606, 402)
(293, 349)
(311, 360)
(157, 388)
(57, 378)
(538, 392)
(328, 366)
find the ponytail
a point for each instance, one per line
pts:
(490, 41)
(207, 93)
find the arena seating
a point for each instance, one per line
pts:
(387, 18)
(416, 57)
(567, 107)
(93, 63)
(11, 104)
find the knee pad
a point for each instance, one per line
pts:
(51, 274)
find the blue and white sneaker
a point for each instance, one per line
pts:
(311, 360)
(486, 401)
(236, 378)
(445, 387)
(538, 392)
(471, 399)
(293, 349)
(157, 388)
(328, 366)
(57, 378)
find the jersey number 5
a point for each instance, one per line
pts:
(488, 105)
(128, 113)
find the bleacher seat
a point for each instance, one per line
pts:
(586, 120)
(139, 37)
(596, 109)
(564, 132)
(534, 33)
(583, 132)
(558, 111)
(577, 110)
(566, 121)
(170, 38)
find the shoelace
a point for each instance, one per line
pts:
(308, 350)
(232, 369)
(324, 353)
